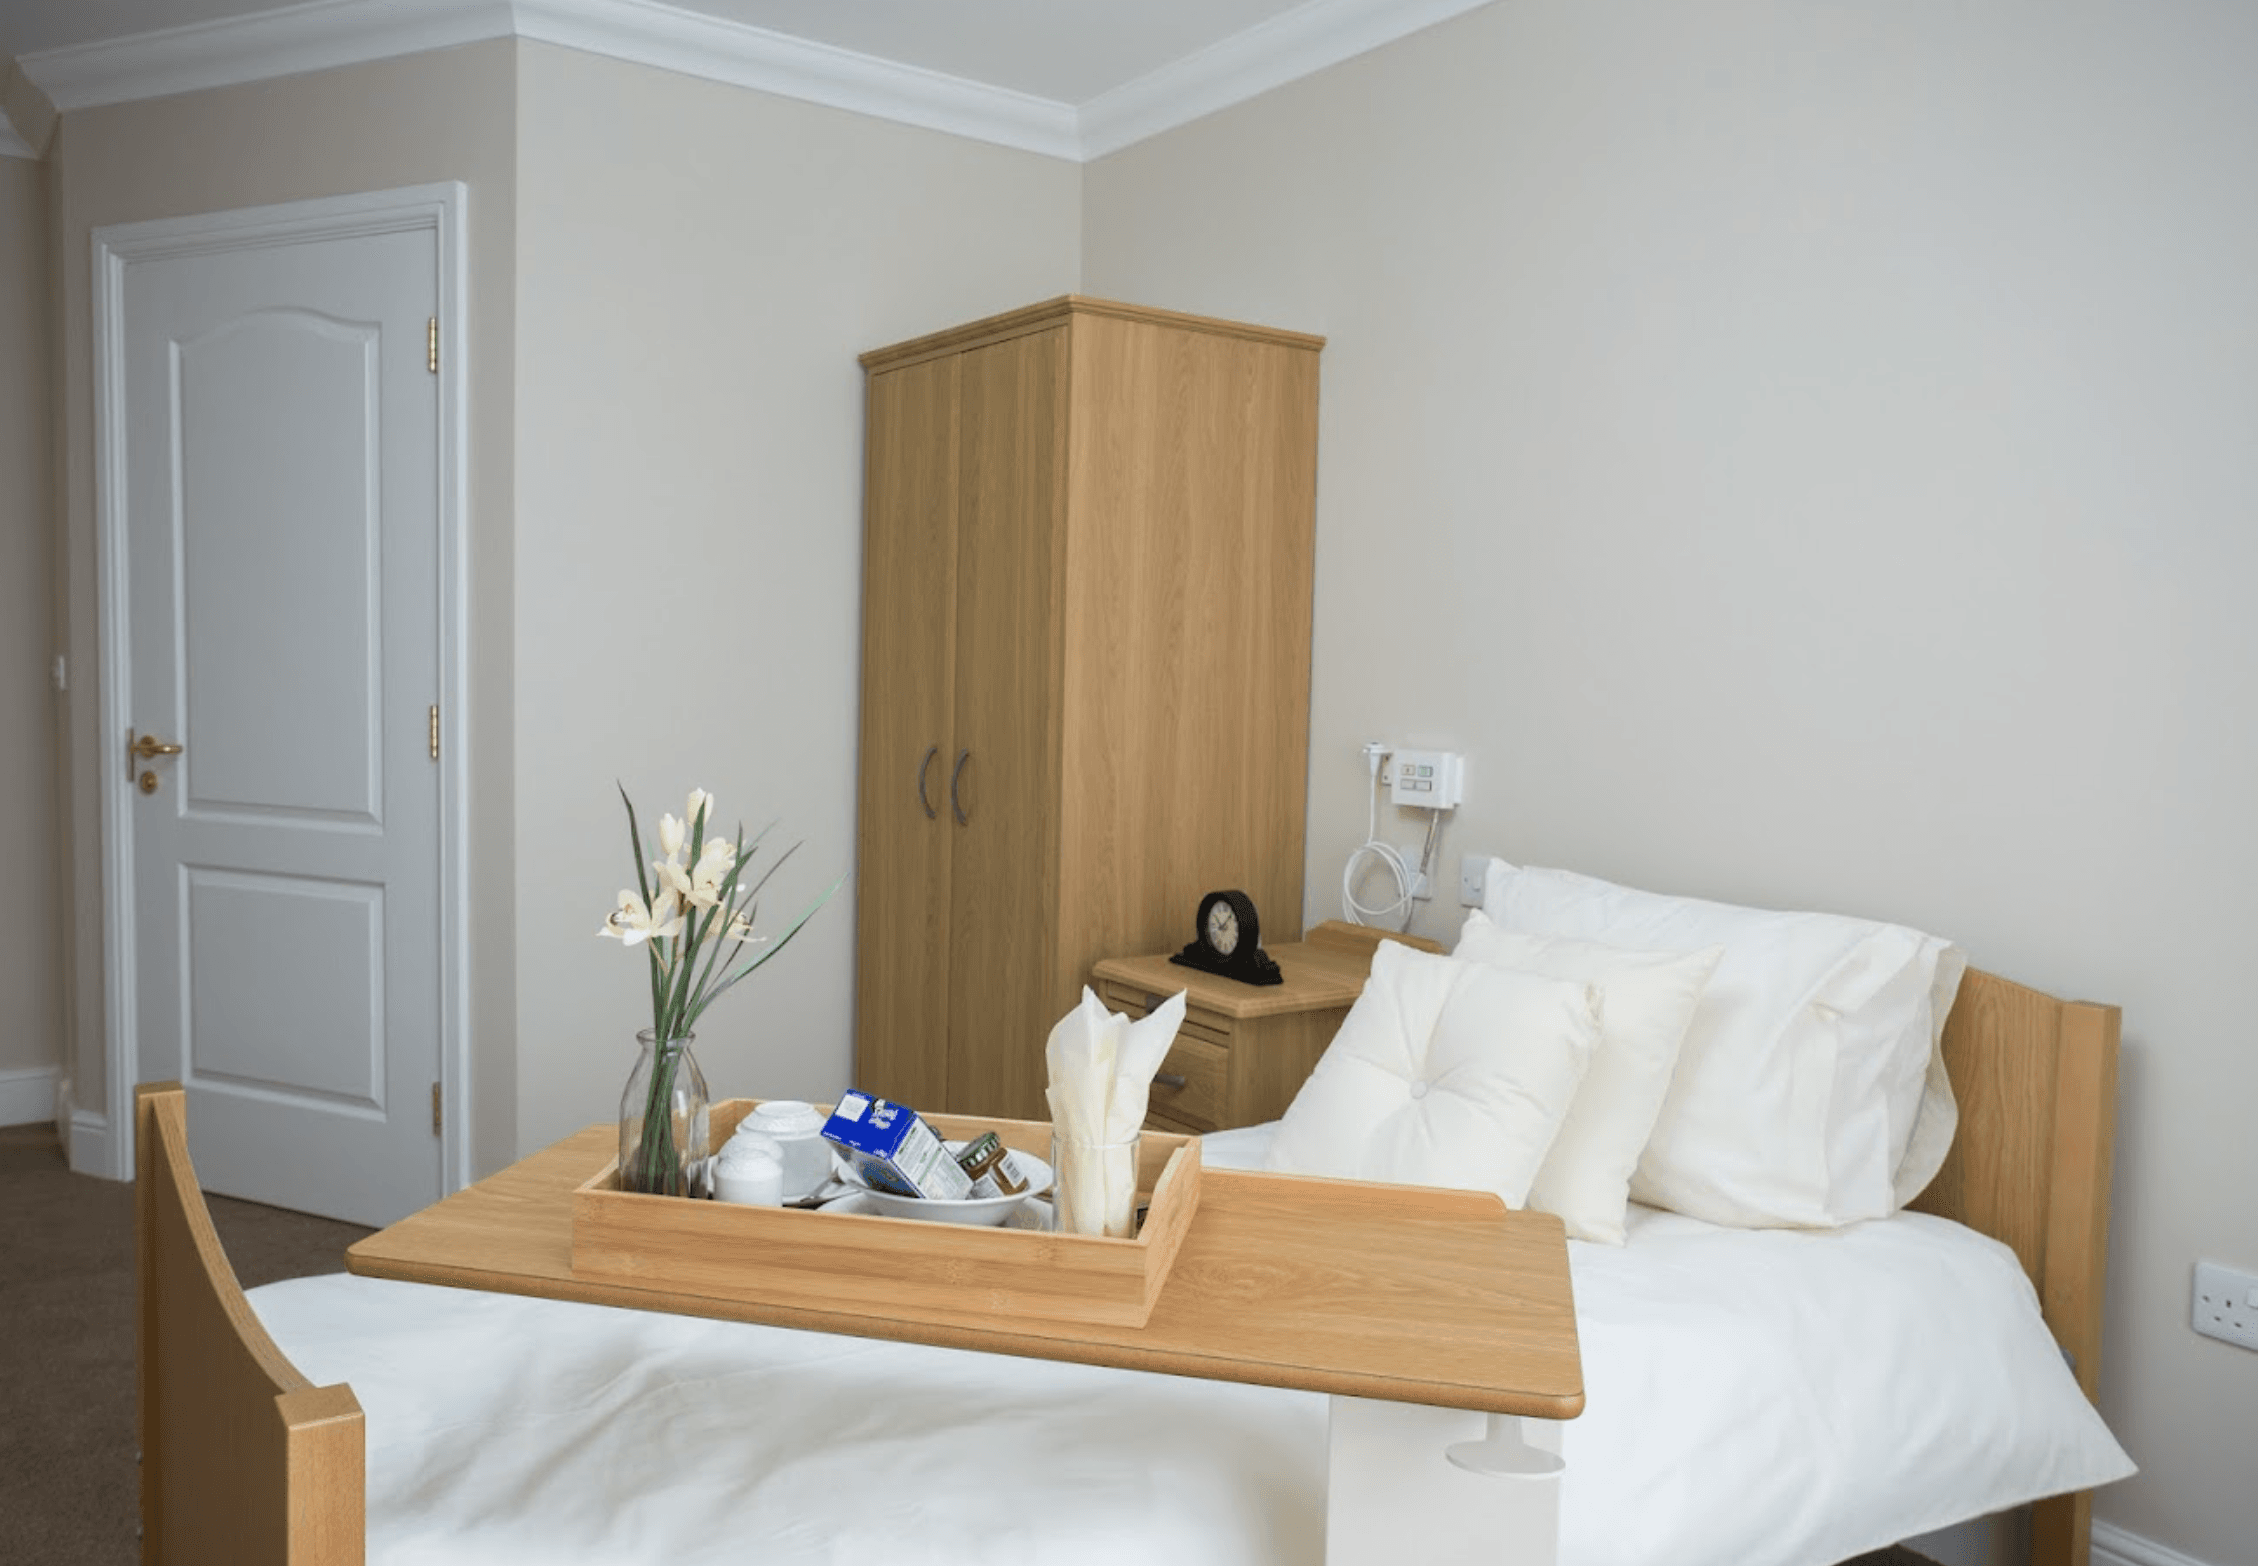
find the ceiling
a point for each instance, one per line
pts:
(1064, 51)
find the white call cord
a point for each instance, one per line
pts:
(1389, 857)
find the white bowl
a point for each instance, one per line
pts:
(985, 1210)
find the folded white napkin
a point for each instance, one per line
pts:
(1102, 1066)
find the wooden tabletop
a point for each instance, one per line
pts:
(1326, 970)
(1382, 1291)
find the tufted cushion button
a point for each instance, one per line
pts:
(1418, 1090)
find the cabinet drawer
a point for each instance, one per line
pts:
(1203, 1101)
(1133, 1002)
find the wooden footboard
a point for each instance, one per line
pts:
(2037, 1083)
(244, 1462)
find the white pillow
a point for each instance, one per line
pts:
(1811, 1088)
(1646, 1001)
(1444, 1073)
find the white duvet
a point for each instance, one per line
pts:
(1752, 1399)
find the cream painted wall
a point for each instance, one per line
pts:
(698, 267)
(1803, 454)
(31, 948)
(441, 116)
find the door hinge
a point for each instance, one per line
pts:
(437, 1119)
(435, 731)
(431, 346)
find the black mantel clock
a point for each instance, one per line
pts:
(1227, 940)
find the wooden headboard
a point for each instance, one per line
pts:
(242, 1458)
(2036, 1079)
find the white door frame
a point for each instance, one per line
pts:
(102, 1143)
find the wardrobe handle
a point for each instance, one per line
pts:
(930, 752)
(956, 806)
(1168, 1079)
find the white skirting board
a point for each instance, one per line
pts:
(27, 1096)
(91, 1151)
(2113, 1546)
(2004, 1540)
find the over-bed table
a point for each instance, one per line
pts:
(1427, 1302)
(1284, 1282)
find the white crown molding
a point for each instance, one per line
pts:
(1289, 46)
(315, 36)
(2113, 1546)
(649, 33)
(323, 34)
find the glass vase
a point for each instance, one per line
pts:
(663, 1132)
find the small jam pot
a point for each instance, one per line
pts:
(987, 1163)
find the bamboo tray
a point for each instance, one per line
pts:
(867, 1265)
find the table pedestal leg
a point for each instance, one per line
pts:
(1393, 1496)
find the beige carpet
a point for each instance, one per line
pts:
(68, 1484)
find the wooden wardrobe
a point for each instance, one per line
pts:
(1085, 682)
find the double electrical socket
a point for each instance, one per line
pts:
(2226, 1304)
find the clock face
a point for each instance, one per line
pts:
(1222, 928)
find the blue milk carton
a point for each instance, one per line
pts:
(892, 1149)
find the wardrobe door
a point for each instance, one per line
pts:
(1191, 507)
(904, 833)
(1003, 793)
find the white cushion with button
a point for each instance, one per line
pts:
(1444, 1073)
(1811, 1088)
(1646, 1001)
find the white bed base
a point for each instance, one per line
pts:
(1440, 1486)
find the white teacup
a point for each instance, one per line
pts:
(797, 1130)
(748, 1174)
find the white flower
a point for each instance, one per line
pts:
(632, 923)
(699, 884)
(670, 837)
(699, 800)
(739, 928)
(714, 864)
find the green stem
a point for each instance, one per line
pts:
(657, 1166)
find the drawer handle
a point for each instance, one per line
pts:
(1169, 1079)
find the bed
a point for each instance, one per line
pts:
(248, 1458)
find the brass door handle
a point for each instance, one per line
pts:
(930, 752)
(147, 748)
(956, 806)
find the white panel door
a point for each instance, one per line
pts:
(282, 550)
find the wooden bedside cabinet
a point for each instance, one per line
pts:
(1245, 1050)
